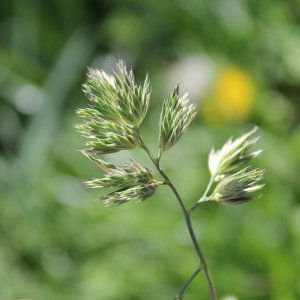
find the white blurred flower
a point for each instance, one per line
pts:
(230, 297)
(196, 74)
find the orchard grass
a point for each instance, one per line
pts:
(117, 107)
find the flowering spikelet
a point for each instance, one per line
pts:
(124, 176)
(132, 99)
(177, 113)
(236, 188)
(104, 165)
(133, 181)
(100, 89)
(232, 155)
(116, 98)
(136, 193)
(117, 107)
(108, 137)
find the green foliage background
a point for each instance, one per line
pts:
(55, 243)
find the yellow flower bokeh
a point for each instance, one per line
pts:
(232, 98)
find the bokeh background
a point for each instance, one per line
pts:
(240, 61)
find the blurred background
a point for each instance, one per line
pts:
(239, 60)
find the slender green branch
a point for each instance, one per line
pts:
(186, 216)
(179, 295)
(204, 196)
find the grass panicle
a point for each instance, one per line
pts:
(116, 109)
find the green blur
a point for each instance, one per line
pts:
(55, 242)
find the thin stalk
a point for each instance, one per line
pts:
(204, 196)
(187, 219)
(179, 295)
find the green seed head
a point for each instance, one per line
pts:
(124, 176)
(136, 193)
(133, 99)
(238, 188)
(108, 137)
(117, 107)
(232, 155)
(177, 113)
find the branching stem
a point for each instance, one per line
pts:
(179, 295)
(186, 214)
(204, 197)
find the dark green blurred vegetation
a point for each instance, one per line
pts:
(241, 62)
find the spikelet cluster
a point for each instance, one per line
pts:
(237, 188)
(117, 107)
(108, 137)
(177, 113)
(232, 155)
(133, 99)
(136, 193)
(132, 181)
(129, 174)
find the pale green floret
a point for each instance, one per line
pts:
(133, 181)
(177, 113)
(116, 98)
(136, 193)
(124, 176)
(104, 165)
(236, 188)
(132, 99)
(100, 89)
(117, 107)
(108, 137)
(232, 155)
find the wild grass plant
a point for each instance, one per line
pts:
(117, 107)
